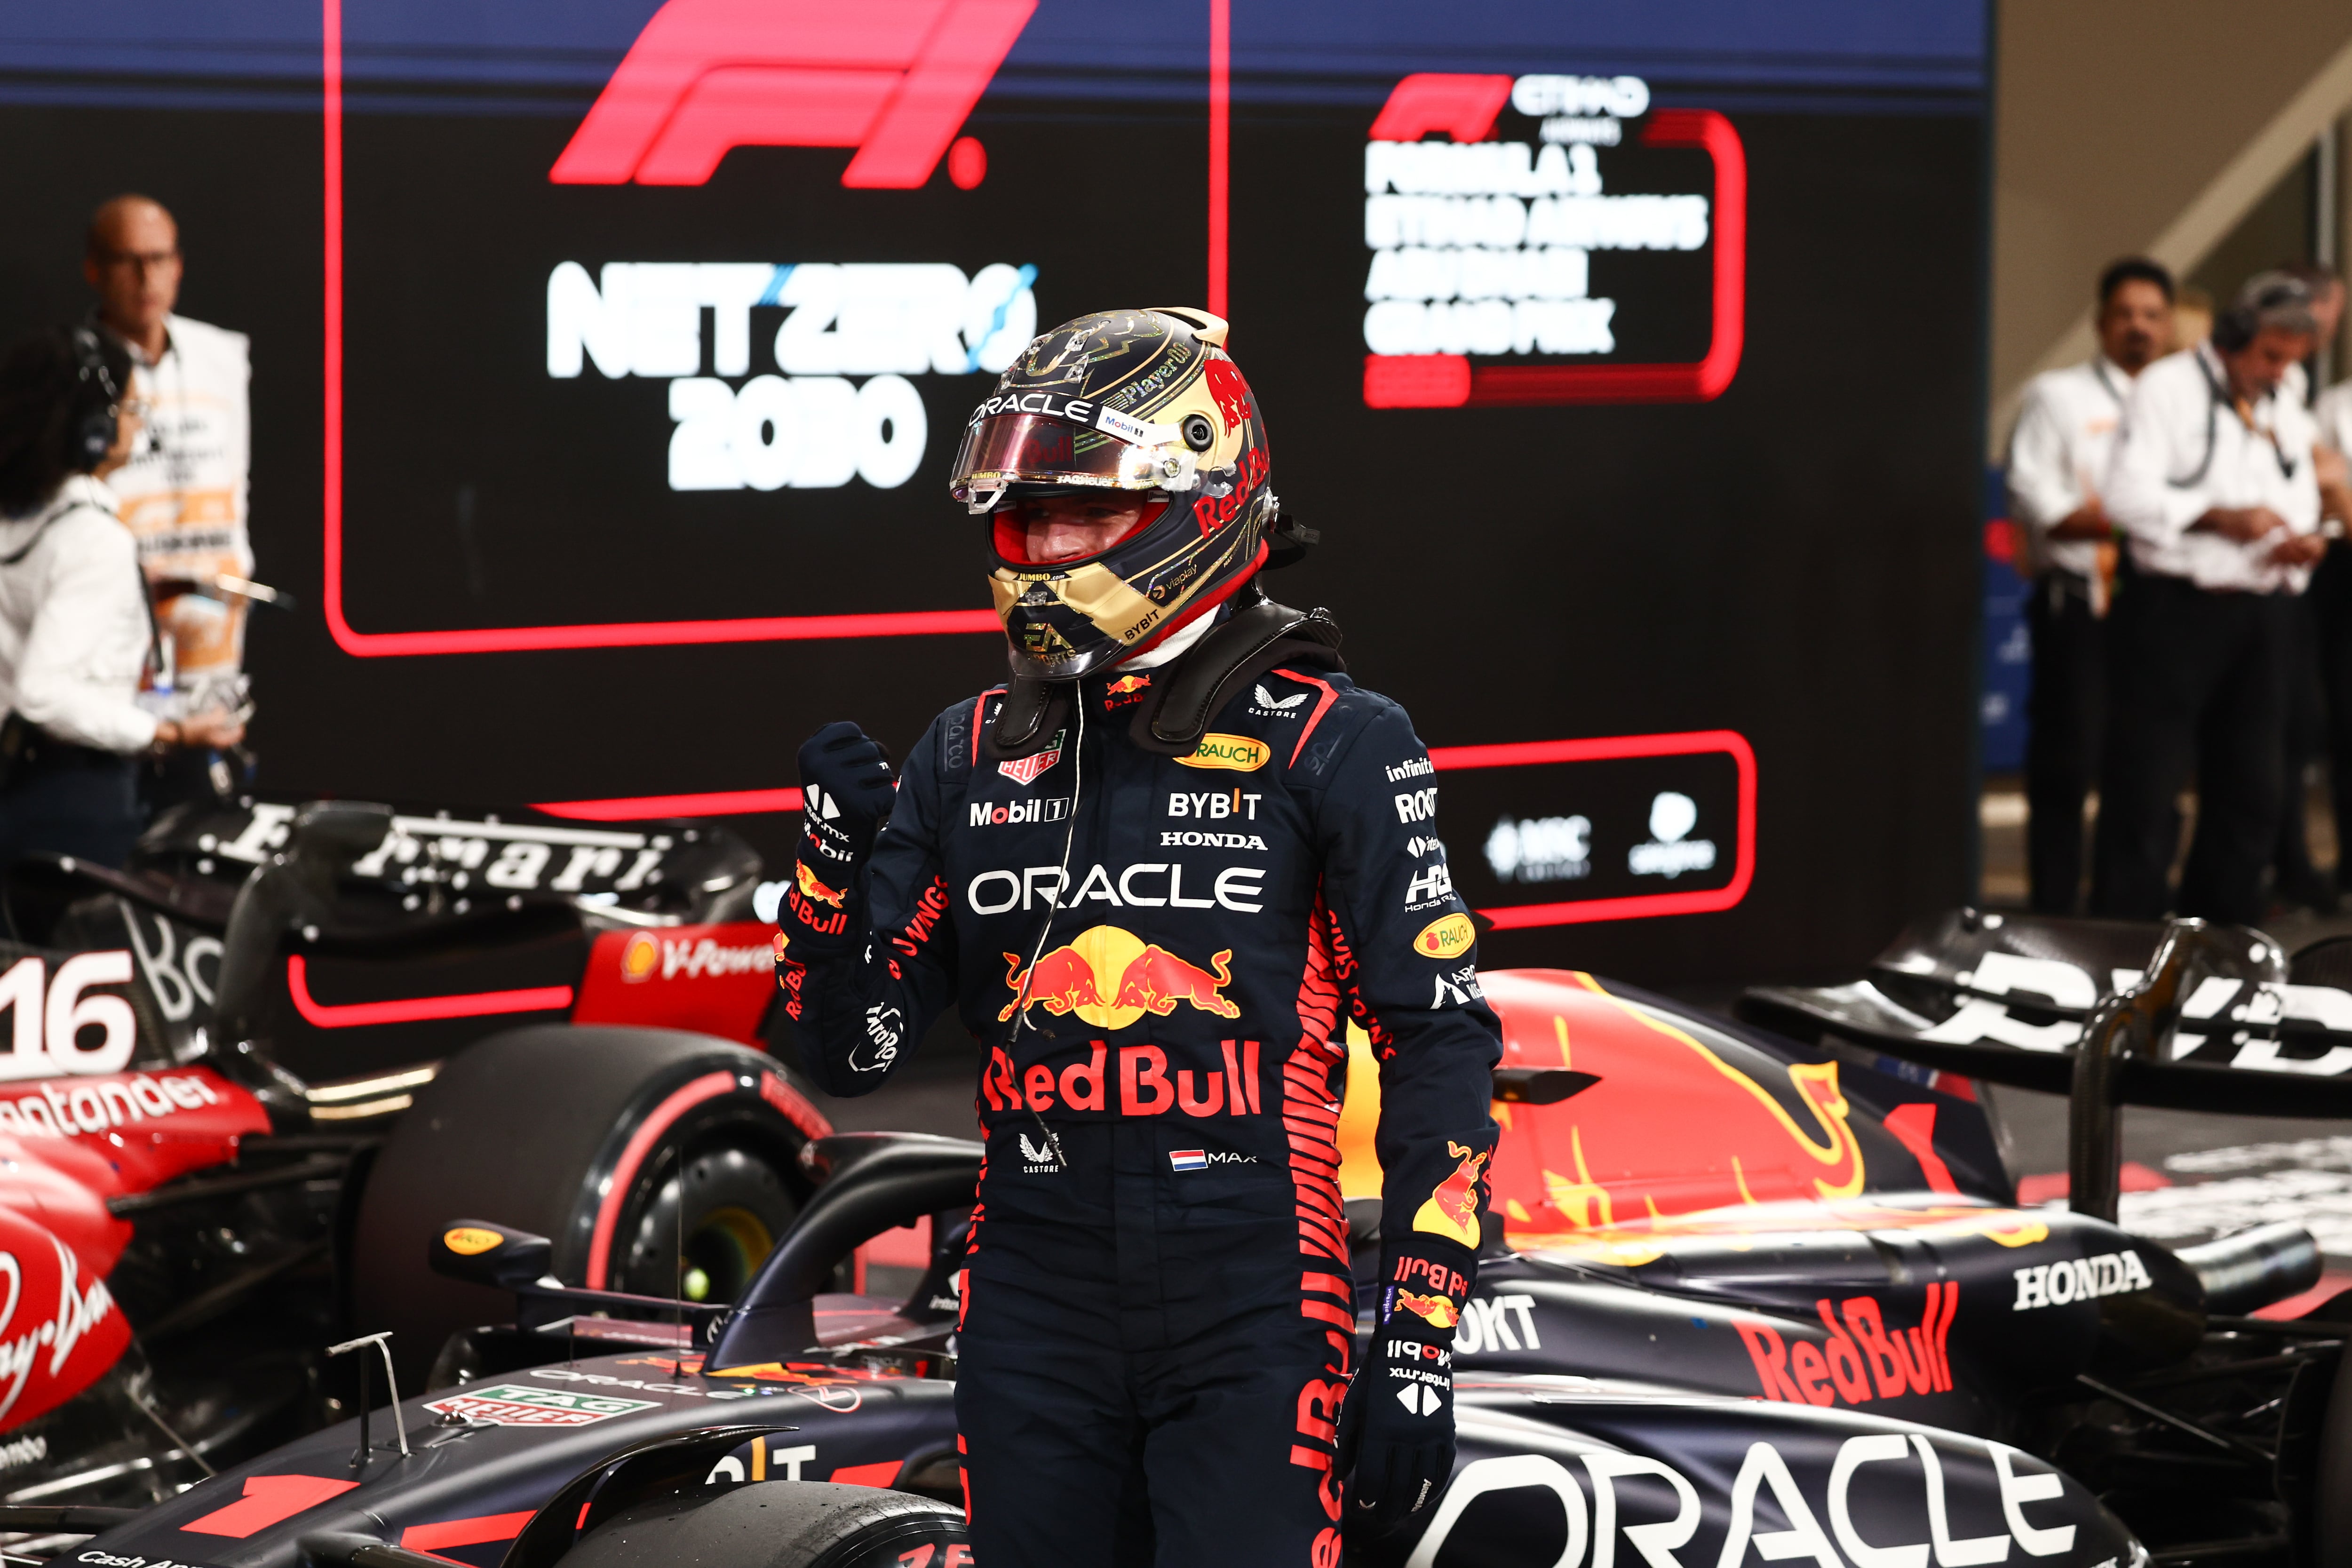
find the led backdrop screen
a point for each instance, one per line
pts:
(609, 358)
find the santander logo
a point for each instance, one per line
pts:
(893, 78)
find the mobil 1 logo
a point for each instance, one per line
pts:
(1016, 813)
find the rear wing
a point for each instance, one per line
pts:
(2184, 1015)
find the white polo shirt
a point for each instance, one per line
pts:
(73, 634)
(2058, 457)
(2184, 451)
(183, 492)
(2334, 417)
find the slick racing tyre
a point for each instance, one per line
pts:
(2331, 1524)
(659, 1163)
(779, 1524)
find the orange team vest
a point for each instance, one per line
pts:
(184, 496)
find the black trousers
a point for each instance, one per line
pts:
(2064, 712)
(71, 800)
(2303, 736)
(2197, 683)
(2330, 602)
(1148, 1367)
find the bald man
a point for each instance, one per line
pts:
(184, 494)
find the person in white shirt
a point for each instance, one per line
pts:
(184, 490)
(2057, 462)
(2326, 291)
(76, 634)
(2317, 721)
(2211, 482)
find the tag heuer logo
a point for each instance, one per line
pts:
(1024, 770)
(520, 1404)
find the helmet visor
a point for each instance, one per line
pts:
(1035, 448)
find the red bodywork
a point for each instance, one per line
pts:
(67, 1145)
(1673, 1126)
(715, 979)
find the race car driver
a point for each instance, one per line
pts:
(1160, 873)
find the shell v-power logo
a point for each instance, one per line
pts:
(893, 78)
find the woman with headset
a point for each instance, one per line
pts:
(76, 640)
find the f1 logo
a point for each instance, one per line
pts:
(893, 78)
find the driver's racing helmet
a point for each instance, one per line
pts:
(1141, 400)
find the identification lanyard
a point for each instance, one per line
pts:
(2216, 395)
(2106, 383)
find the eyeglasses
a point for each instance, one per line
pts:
(142, 260)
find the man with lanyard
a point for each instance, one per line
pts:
(182, 494)
(2057, 463)
(2213, 483)
(1160, 873)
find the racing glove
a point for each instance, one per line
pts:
(847, 790)
(1396, 1429)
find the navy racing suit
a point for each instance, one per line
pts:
(1161, 957)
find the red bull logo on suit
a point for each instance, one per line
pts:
(812, 888)
(1452, 1209)
(1110, 977)
(1144, 1087)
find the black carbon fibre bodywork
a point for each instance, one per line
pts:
(1890, 1380)
(1552, 1470)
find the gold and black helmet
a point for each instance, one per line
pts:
(1141, 400)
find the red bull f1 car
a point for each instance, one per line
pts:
(1744, 1298)
(207, 1063)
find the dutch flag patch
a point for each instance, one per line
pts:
(1186, 1160)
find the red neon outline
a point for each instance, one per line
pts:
(625, 1172)
(1496, 386)
(652, 807)
(416, 1009)
(1492, 384)
(1221, 148)
(1637, 905)
(523, 639)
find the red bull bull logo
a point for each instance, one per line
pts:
(1226, 385)
(1452, 1210)
(1436, 1311)
(812, 888)
(1128, 683)
(1111, 977)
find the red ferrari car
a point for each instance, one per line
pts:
(210, 1051)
